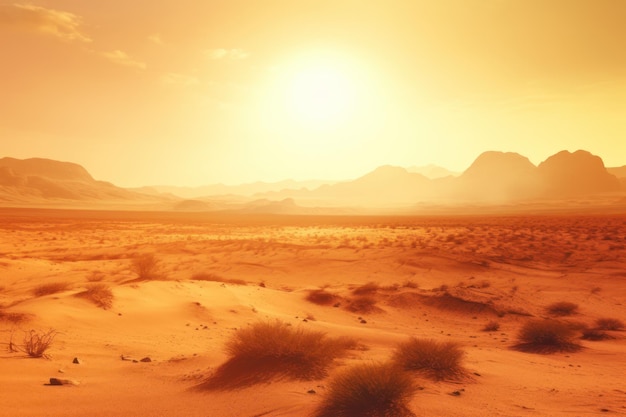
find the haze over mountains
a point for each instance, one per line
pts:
(495, 178)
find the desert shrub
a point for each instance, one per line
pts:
(35, 343)
(50, 288)
(562, 308)
(11, 317)
(99, 294)
(363, 305)
(369, 288)
(322, 297)
(368, 390)
(595, 334)
(410, 284)
(546, 336)
(275, 350)
(491, 326)
(146, 266)
(609, 324)
(435, 359)
(207, 276)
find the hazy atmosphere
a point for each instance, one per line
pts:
(196, 92)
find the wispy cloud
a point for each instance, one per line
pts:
(61, 24)
(221, 53)
(156, 39)
(122, 58)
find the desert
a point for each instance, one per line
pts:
(474, 281)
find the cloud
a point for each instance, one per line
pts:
(156, 39)
(179, 79)
(221, 53)
(63, 25)
(122, 58)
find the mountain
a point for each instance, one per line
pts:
(574, 174)
(40, 181)
(432, 171)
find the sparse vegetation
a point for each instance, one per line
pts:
(368, 390)
(546, 336)
(366, 289)
(50, 288)
(491, 326)
(99, 294)
(36, 343)
(609, 324)
(270, 350)
(363, 305)
(322, 297)
(146, 267)
(206, 276)
(435, 359)
(12, 317)
(595, 335)
(562, 308)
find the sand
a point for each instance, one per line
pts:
(436, 277)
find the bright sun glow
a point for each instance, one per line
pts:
(320, 96)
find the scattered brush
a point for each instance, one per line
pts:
(609, 324)
(363, 305)
(206, 276)
(491, 326)
(546, 336)
(322, 297)
(12, 317)
(99, 294)
(50, 288)
(366, 289)
(275, 350)
(437, 360)
(595, 335)
(35, 343)
(562, 308)
(368, 390)
(146, 267)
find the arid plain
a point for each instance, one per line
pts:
(119, 287)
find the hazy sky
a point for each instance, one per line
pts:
(192, 92)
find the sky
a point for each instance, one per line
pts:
(195, 92)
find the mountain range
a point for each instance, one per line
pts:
(494, 178)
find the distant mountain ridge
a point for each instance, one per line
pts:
(494, 178)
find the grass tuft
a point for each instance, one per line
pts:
(322, 297)
(546, 336)
(35, 344)
(562, 308)
(50, 288)
(435, 359)
(99, 294)
(368, 390)
(609, 324)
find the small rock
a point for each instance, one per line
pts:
(146, 359)
(77, 361)
(455, 393)
(363, 321)
(311, 391)
(59, 381)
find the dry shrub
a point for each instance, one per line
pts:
(275, 350)
(206, 276)
(437, 360)
(99, 294)
(36, 343)
(491, 326)
(368, 390)
(595, 335)
(363, 305)
(322, 297)
(50, 288)
(365, 289)
(146, 267)
(12, 317)
(562, 308)
(546, 336)
(609, 324)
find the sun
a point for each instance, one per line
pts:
(320, 96)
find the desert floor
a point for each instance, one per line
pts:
(436, 277)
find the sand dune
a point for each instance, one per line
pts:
(442, 278)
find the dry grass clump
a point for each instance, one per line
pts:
(562, 308)
(595, 335)
(546, 336)
(368, 390)
(12, 317)
(146, 267)
(207, 276)
(50, 288)
(609, 324)
(275, 350)
(99, 294)
(322, 297)
(491, 326)
(437, 360)
(35, 343)
(366, 289)
(363, 305)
